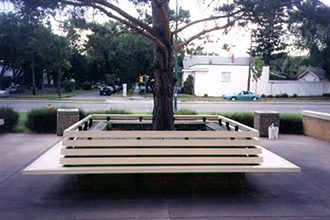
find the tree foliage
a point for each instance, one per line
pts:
(311, 23)
(257, 67)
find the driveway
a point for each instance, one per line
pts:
(276, 196)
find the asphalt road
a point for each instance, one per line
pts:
(146, 105)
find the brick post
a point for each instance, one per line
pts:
(66, 118)
(263, 119)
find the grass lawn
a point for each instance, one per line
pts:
(54, 95)
(20, 127)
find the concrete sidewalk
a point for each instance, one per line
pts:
(280, 196)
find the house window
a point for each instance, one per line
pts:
(226, 77)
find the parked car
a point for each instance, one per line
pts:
(4, 94)
(15, 89)
(243, 95)
(107, 90)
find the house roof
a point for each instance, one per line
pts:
(189, 61)
(320, 73)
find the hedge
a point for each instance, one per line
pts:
(10, 118)
(42, 120)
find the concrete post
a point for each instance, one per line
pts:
(263, 119)
(66, 118)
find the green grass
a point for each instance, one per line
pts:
(54, 95)
(20, 127)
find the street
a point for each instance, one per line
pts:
(139, 104)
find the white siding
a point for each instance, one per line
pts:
(300, 88)
(209, 80)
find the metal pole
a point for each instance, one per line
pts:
(145, 85)
(176, 62)
(250, 64)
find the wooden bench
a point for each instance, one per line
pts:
(225, 147)
(167, 151)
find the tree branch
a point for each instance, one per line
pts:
(182, 44)
(203, 20)
(124, 14)
(127, 22)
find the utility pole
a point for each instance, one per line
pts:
(145, 85)
(176, 62)
(250, 65)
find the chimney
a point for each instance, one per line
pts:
(232, 58)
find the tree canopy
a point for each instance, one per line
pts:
(268, 16)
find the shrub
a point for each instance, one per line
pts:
(291, 123)
(108, 111)
(188, 85)
(185, 112)
(86, 86)
(263, 96)
(284, 95)
(295, 95)
(10, 118)
(270, 96)
(68, 85)
(42, 120)
(326, 94)
(245, 118)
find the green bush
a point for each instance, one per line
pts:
(108, 111)
(10, 118)
(245, 118)
(42, 120)
(185, 112)
(68, 85)
(284, 95)
(188, 85)
(291, 123)
(86, 86)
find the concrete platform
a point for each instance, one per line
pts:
(49, 163)
(266, 196)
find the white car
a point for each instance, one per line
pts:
(4, 94)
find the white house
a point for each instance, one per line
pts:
(217, 76)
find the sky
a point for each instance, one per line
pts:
(238, 39)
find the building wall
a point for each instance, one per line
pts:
(300, 88)
(309, 77)
(209, 79)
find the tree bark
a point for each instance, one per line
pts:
(162, 69)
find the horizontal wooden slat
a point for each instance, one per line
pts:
(159, 160)
(195, 117)
(169, 134)
(160, 151)
(121, 117)
(235, 123)
(155, 142)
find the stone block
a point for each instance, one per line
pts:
(263, 119)
(66, 118)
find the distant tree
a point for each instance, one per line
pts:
(311, 24)
(188, 85)
(269, 16)
(257, 67)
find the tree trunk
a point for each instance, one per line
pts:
(59, 81)
(1, 75)
(163, 72)
(33, 76)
